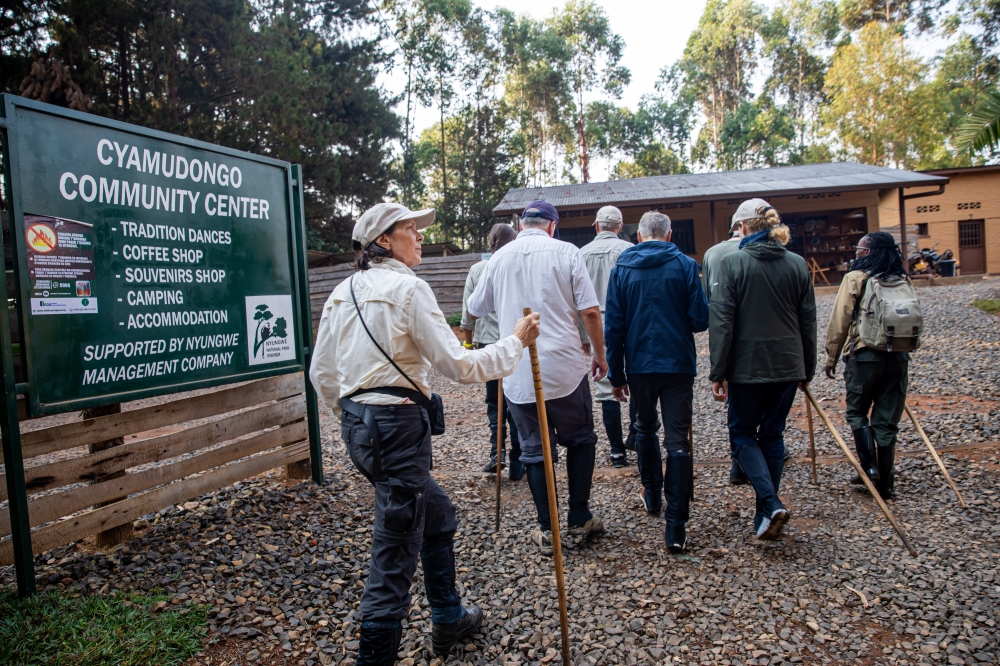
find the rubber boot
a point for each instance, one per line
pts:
(379, 643)
(737, 477)
(611, 414)
(864, 443)
(540, 494)
(677, 491)
(887, 481)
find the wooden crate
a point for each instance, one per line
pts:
(262, 426)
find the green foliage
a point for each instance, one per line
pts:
(989, 305)
(53, 628)
(981, 129)
(291, 80)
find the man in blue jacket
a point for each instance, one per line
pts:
(655, 306)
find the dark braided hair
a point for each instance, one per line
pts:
(373, 253)
(883, 259)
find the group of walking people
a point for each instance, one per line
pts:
(634, 310)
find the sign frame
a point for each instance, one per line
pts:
(11, 135)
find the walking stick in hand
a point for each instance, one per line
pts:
(499, 443)
(550, 486)
(934, 454)
(864, 476)
(812, 441)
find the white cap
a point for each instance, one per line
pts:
(609, 214)
(379, 218)
(750, 209)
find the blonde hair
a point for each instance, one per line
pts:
(771, 220)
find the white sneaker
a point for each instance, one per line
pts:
(770, 528)
(542, 539)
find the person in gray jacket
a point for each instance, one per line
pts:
(601, 255)
(486, 331)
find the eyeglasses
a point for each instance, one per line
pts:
(859, 249)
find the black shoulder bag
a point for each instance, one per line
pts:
(434, 405)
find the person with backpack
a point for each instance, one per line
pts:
(380, 335)
(762, 338)
(877, 317)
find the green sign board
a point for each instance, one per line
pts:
(148, 263)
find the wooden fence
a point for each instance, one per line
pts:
(264, 427)
(445, 275)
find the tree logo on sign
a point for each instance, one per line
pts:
(266, 331)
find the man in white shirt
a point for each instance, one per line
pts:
(600, 255)
(550, 277)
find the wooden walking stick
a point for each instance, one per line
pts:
(499, 443)
(812, 441)
(864, 477)
(934, 454)
(550, 486)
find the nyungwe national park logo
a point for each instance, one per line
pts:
(270, 334)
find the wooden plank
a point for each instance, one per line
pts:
(79, 433)
(47, 508)
(92, 522)
(132, 454)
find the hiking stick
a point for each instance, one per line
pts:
(812, 440)
(499, 443)
(934, 454)
(864, 477)
(550, 486)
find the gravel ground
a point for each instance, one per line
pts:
(283, 565)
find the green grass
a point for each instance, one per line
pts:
(57, 629)
(454, 319)
(990, 305)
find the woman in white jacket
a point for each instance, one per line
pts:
(380, 334)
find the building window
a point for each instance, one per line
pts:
(683, 236)
(922, 230)
(970, 205)
(935, 208)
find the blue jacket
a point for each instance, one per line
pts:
(655, 306)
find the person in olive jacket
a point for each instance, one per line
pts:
(762, 336)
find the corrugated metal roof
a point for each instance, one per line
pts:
(775, 181)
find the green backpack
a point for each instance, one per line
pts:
(888, 310)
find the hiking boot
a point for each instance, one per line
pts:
(737, 477)
(491, 466)
(446, 636)
(650, 508)
(542, 539)
(675, 538)
(593, 526)
(619, 462)
(770, 528)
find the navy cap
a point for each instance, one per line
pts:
(541, 208)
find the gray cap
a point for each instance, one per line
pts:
(379, 218)
(609, 214)
(750, 209)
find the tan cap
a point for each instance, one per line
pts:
(609, 214)
(750, 209)
(379, 218)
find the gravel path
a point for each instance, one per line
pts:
(284, 565)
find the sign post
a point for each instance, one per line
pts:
(145, 264)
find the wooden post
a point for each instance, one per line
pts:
(550, 486)
(902, 231)
(123, 532)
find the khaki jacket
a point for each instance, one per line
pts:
(842, 329)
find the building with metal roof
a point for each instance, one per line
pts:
(829, 206)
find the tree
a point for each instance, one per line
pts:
(981, 129)
(595, 56)
(880, 109)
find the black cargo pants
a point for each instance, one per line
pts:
(413, 516)
(877, 381)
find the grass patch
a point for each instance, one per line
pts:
(53, 628)
(990, 305)
(454, 319)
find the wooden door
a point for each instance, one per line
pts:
(971, 248)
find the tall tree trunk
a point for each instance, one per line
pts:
(582, 129)
(444, 156)
(407, 144)
(124, 532)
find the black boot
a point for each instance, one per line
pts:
(887, 480)
(379, 642)
(446, 636)
(677, 490)
(864, 442)
(737, 477)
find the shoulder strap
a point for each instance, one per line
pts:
(377, 345)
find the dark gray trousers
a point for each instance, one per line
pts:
(413, 516)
